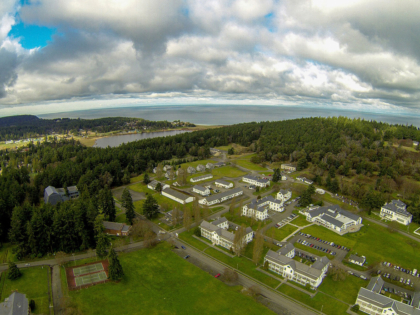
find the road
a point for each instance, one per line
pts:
(56, 289)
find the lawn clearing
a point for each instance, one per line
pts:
(137, 178)
(280, 234)
(346, 290)
(254, 224)
(157, 281)
(121, 218)
(249, 165)
(300, 221)
(227, 171)
(33, 283)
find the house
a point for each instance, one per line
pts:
(154, 170)
(320, 191)
(167, 168)
(333, 218)
(219, 164)
(15, 304)
(152, 185)
(415, 143)
(396, 211)
(169, 216)
(288, 167)
(115, 228)
(210, 166)
(223, 183)
(284, 195)
(190, 170)
(256, 181)
(177, 196)
(282, 263)
(357, 260)
(170, 175)
(203, 191)
(258, 208)
(305, 180)
(200, 168)
(371, 301)
(200, 178)
(218, 198)
(218, 234)
(54, 195)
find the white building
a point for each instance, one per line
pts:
(288, 167)
(371, 301)
(200, 178)
(357, 260)
(218, 198)
(167, 168)
(218, 234)
(320, 191)
(396, 211)
(200, 168)
(203, 191)
(209, 166)
(282, 262)
(152, 185)
(256, 181)
(177, 196)
(305, 180)
(219, 164)
(259, 208)
(284, 195)
(223, 183)
(190, 170)
(333, 218)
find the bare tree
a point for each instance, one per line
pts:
(254, 291)
(239, 241)
(232, 206)
(60, 257)
(197, 211)
(239, 210)
(175, 216)
(187, 218)
(337, 273)
(230, 275)
(140, 228)
(258, 247)
(159, 170)
(171, 174)
(206, 212)
(150, 239)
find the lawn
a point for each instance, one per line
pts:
(245, 220)
(280, 234)
(320, 301)
(121, 218)
(33, 283)
(249, 165)
(300, 221)
(376, 243)
(227, 171)
(158, 281)
(6, 253)
(140, 187)
(137, 178)
(346, 290)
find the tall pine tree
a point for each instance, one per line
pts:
(115, 271)
(127, 203)
(102, 245)
(150, 207)
(14, 271)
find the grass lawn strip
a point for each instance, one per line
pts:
(249, 165)
(33, 283)
(346, 290)
(280, 234)
(157, 281)
(300, 221)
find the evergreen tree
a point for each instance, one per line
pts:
(115, 271)
(127, 203)
(302, 164)
(150, 207)
(146, 178)
(14, 271)
(276, 175)
(158, 187)
(102, 245)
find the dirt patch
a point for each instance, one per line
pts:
(71, 279)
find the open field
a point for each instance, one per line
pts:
(33, 283)
(300, 221)
(245, 220)
(157, 281)
(346, 290)
(228, 171)
(280, 234)
(249, 165)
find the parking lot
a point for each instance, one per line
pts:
(396, 273)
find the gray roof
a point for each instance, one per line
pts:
(220, 164)
(208, 226)
(357, 258)
(113, 225)
(321, 263)
(222, 182)
(200, 188)
(375, 284)
(336, 210)
(257, 204)
(220, 220)
(176, 194)
(399, 203)
(180, 213)
(198, 178)
(153, 183)
(284, 192)
(15, 304)
(392, 207)
(50, 190)
(286, 249)
(331, 220)
(260, 180)
(223, 194)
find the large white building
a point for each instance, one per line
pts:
(396, 211)
(177, 196)
(218, 198)
(203, 191)
(371, 301)
(253, 180)
(282, 262)
(223, 183)
(333, 218)
(200, 178)
(258, 208)
(152, 185)
(284, 195)
(288, 167)
(218, 234)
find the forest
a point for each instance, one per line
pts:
(28, 126)
(360, 159)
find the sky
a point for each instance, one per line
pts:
(72, 54)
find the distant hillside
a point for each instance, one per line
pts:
(17, 120)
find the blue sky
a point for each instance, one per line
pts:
(32, 36)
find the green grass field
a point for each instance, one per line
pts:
(346, 290)
(246, 163)
(6, 253)
(227, 171)
(376, 243)
(280, 234)
(300, 221)
(245, 220)
(33, 283)
(157, 281)
(320, 301)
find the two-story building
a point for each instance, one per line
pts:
(54, 195)
(396, 210)
(221, 197)
(203, 191)
(223, 184)
(258, 208)
(288, 167)
(177, 196)
(284, 195)
(253, 180)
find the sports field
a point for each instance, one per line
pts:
(91, 278)
(87, 269)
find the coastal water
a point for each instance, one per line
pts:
(115, 141)
(232, 114)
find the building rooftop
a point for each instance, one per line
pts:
(15, 304)
(222, 182)
(220, 220)
(176, 194)
(397, 209)
(223, 194)
(357, 258)
(260, 180)
(200, 188)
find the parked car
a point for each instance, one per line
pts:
(188, 256)
(217, 276)
(183, 247)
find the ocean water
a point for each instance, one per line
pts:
(231, 114)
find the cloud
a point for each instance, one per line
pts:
(321, 51)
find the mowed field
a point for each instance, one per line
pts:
(376, 243)
(33, 283)
(157, 281)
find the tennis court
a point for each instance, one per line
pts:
(92, 278)
(87, 269)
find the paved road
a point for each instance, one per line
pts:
(56, 289)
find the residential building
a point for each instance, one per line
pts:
(258, 208)
(152, 185)
(169, 216)
(15, 304)
(284, 195)
(167, 168)
(219, 164)
(396, 211)
(170, 175)
(177, 196)
(371, 301)
(54, 195)
(305, 180)
(333, 218)
(221, 197)
(218, 234)
(210, 166)
(200, 178)
(288, 167)
(190, 170)
(357, 260)
(282, 262)
(203, 191)
(320, 191)
(223, 183)
(200, 168)
(154, 170)
(115, 228)
(253, 180)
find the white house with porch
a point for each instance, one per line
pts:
(284, 195)
(223, 184)
(253, 180)
(218, 198)
(177, 196)
(203, 191)
(396, 211)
